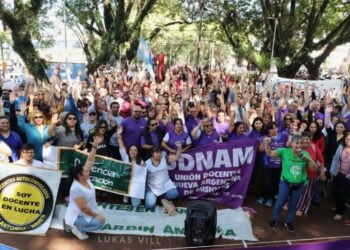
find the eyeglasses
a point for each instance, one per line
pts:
(154, 124)
(83, 94)
(71, 118)
(37, 117)
(40, 94)
(92, 114)
(5, 93)
(208, 125)
(102, 127)
(116, 92)
(28, 152)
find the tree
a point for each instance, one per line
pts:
(25, 21)
(104, 27)
(303, 28)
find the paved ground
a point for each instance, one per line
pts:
(316, 226)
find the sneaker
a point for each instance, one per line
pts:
(337, 217)
(273, 224)
(261, 201)
(269, 203)
(299, 213)
(125, 199)
(80, 235)
(67, 228)
(289, 226)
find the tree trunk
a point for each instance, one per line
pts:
(23, 45)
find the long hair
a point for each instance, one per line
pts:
(138, 156)
(258, 119)
(98, 125)
(318, 134)
(77, 130)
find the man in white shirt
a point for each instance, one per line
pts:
(27, 157)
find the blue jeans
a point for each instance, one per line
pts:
(85, 226)
(151, 198)
(135, 202)
(290, 194)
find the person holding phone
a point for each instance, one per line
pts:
(293, 180)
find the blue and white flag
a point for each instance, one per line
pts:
(144, 54)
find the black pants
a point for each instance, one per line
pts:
(340, 186)
(270, 180)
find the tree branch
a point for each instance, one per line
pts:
(158, 29)
(143, 13)
(345, 23)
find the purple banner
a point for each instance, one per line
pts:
(219, 172)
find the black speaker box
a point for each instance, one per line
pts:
(200, 223)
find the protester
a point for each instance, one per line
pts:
(177, 135)
(295, 161)
(133, 156)
(158, 180)
(36, 132)
(340, 170)
(11, 138)
(313, 176)
(82, 213)
(27, 157)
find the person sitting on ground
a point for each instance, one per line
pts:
(158, 180)
(82, 213)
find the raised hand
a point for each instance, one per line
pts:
(54, 119)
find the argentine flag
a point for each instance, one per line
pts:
(144, 54)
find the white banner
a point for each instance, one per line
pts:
(125, 219)
(333, 86)
(27, 198)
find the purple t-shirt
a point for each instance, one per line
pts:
(205, 139)
(221, 128)
(347, 123)
(191, 123)
(255, 135)
(234, 137)
(154, 138)
(280, 141)
(171, 138)
(132, 130)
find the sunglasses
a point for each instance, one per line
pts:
(208, 125)
(37, 117)
(92, 114)
(102, 127)
(154, 124)
(40, 94)
(83, 94)
(71, 118)
(5, 93)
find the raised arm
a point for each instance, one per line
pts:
(175, 157)
(268, 151)
(91, 158)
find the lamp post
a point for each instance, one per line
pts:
(274, 35)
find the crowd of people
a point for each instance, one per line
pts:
(123, 114)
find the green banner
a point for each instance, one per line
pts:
(107, 174)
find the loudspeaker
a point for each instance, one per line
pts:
(200, 223)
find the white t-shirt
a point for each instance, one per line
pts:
(35, 163)
(77, 190)
(158, 180)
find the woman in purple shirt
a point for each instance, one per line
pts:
(271, 169)
(151, 136)
(204, 133)
(238, 132)
(178, 135)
